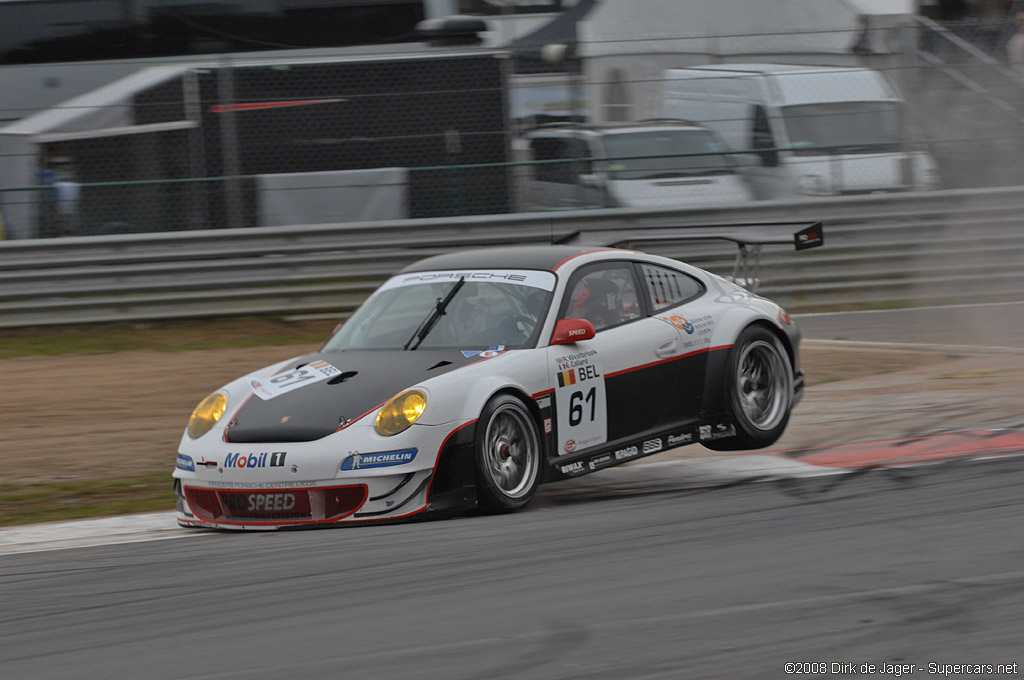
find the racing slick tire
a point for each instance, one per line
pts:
(760, 391)
(508, 455)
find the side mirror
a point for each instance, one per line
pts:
(568, 331)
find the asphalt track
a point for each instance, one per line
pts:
(920, 565)
(629, 573)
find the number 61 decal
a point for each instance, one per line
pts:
(576, 402)
(275, 386)
(580, 403)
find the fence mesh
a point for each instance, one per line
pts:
(277, 141)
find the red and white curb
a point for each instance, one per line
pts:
(931, 448)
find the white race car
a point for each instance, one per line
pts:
(476, 376)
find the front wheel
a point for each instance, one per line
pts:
(508, 455)
(760, 391)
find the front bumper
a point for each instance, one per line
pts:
(269, 506)
(222, 485)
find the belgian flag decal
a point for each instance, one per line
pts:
(566, 378)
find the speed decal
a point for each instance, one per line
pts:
(580, 402)
(268, 388)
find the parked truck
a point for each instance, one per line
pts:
(805, 130)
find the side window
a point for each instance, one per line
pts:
(605, 295)
(669, 288)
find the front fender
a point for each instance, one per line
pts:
(461, 395)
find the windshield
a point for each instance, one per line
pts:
(844, 127)
(650, 154)
(493, 308)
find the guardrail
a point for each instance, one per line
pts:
(881, 250)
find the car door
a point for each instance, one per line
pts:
(614, 386)
(678, 299)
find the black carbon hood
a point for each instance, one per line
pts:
(367, 379)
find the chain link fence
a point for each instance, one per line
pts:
(242, 142)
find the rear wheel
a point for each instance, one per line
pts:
(760, 390)
(508, 455)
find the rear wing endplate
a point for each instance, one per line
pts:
(749, 238)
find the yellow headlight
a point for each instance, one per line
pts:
(206, 415)
(401, 412)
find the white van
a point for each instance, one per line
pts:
(649, 164)
(810, 130)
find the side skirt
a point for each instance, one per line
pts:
(641, 446)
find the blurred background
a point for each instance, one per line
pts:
(301, 133)
(134, 116)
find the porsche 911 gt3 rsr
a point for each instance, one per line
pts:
(473, 377)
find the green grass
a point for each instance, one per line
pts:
(54, 501)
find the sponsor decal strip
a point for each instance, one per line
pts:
(642, 448)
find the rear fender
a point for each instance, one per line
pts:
(727, 330)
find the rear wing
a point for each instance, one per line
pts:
(749, 238)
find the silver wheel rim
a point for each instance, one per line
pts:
(511, 451)
(762, 384)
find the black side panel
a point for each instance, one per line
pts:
(662, 395)
(715, 402)
(454, 483)
(637, 400)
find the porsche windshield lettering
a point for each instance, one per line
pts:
(454, 276)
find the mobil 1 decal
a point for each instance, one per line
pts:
(579, 400)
